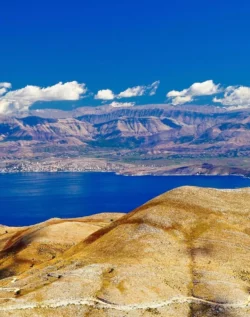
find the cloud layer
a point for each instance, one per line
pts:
(22, 99)
(137, 91)
(205, 88)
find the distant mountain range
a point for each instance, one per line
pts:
(142, 133)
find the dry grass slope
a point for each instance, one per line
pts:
(183, 254)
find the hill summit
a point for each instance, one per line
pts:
(183, 254)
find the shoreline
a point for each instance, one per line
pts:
(132, 168)
(123, 174)
(32, 198)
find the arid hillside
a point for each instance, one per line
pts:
(183, 254)
(25, 247)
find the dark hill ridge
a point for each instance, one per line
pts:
(183, 254)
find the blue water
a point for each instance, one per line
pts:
(30, 198)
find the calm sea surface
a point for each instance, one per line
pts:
(30, 198)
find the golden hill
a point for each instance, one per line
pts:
(183, 254)
(23, 248)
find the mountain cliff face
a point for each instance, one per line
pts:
(144, 132)
(182, 254)
(40, 129)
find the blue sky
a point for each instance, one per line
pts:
(120, 44)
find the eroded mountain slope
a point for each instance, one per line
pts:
(139, 130)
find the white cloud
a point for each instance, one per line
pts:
(116, 104)
(154, 87)
(132, 92)
(180, 100)
(105, 94)
(5, 85)
(2, 91)
(4, 88)
(139, 91)
(205, 88)
(22, 99)
(235, 96)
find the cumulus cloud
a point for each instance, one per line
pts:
(139, 91)
(5, 85)
(105, 94)
(22, 99)
(116, 104)
(205, 88)
(4, 88)
(235, 97)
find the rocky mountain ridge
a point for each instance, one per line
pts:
(147, 133)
